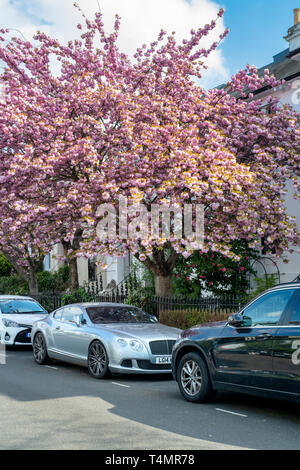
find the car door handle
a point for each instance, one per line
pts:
(265, 336)
(57, 328)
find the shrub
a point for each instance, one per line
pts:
(13, 285)
(77, 296)
(5, 266)
(57, 281)
(215, 273)
(45, 281)
(264, 283)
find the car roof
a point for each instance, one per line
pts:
(286, 284)
(98, 304)
(15, 297)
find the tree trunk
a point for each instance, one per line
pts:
(32, 282)
(163, 285)
(74, 282)
(162, 269)
(29, 275)
(74, 245)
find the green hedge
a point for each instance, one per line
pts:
(184, 319)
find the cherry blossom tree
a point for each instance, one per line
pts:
(106, 126)
(19, 233)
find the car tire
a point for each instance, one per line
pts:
(98, 361)
(40, 352)
(193, 378)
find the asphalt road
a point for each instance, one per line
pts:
(62, 407)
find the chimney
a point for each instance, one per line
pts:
(293, 36)
(296, 16)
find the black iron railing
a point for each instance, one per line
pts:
(154, 305)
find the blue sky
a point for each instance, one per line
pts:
(24, 6)
(257, 28)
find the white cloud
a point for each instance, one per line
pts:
(141, 22)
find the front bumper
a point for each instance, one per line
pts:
(140, 366)
(15, 336)
(153, 359)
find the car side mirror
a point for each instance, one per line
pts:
(154, 319)
(236, 320)
(81, 321)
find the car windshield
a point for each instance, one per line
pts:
(15, 306)
(119, 314)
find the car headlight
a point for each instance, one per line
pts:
(122, 342)
(10, 323)
(136, 345)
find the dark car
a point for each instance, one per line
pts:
(257, 351)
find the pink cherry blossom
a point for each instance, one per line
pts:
(107, 126)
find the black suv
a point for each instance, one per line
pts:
(256, 351)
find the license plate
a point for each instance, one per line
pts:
(28, 335)
(163, 360)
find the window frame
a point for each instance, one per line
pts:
(285, 312)
(60, 309)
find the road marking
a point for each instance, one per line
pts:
(121, 385)
(51, 367)
(232, 413)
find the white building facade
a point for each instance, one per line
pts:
(88, 271)
(286, 66)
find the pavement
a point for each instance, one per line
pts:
(61, 407)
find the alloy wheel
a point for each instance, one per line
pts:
(97, 360)
(191, 378)
(39, 348)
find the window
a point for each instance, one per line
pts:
(128, 314)
(71, 314)
(295, 317)
(268, 309)
(47, 262)
(66, 314)
(20, 306)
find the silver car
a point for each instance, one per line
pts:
(105, 337)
